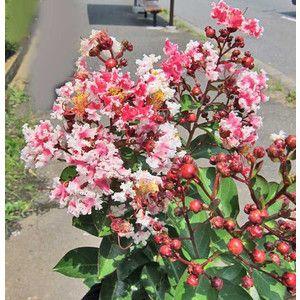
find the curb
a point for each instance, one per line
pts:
(17, 59)
(272, 72)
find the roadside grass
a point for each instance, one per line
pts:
(20, 184)
(291, 97)
(18, 19)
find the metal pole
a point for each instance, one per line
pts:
(171, 19)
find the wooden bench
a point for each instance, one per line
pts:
(152, 6)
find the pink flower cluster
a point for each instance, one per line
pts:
(234, 18)
(121, 136)
(41, 144)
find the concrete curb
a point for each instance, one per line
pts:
(273, 73)
(17, 59)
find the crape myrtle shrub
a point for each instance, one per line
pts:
(168, 227)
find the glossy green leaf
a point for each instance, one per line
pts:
(69, 173)
(204, 146)
(260, 187)
(131, 263)
(173, 269)
(219, 240)
(114, 289)
(96, 223)
(155, 281)
(79, 263)
(202, 239)
(232, 291)
(90, 281)
(110, 255)
(228, 195)
(267, 287)
(188, 104)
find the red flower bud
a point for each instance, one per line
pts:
(165, 250)
(192, 280)
(196, 91)
(188, 171)
(258, 256)
(255, 231)
(210, 32)
(259, 152)
(289, 279)
(229, 225)
(192, 118)
(248, 62)
(293, 256)
(236, 52)
(275, 258)
(196, 205)
(291, 142)
(176, 244)
(255, 216)
(217, 283)
(283, 247)
(235, 246)
(111, 63)
(217, 222)
(149, 146)
(196, 269)
(247, 282)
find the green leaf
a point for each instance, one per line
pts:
(173, 269)
(79, 263)
(260, 187)
(207, 177)
(114, 289)
(131, 263)
(110, 255)
(69, 173)
(202, 234)
(267, 287)
(188, 104)
(219, 240)
(228, 195)
(273, 188)
(232, 273)
(155, 281)
(96, 223)
(202, 239)
(204, 146)
(232, 291)
(90, 281)
(203, 291)
(131, 288)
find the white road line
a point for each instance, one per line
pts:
(288, 18)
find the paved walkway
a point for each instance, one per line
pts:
(44, 239)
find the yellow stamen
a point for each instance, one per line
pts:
(145, 187)
(80, 103)
(157, 99)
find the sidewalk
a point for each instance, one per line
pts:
(44, 239)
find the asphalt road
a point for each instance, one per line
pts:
(277, 47)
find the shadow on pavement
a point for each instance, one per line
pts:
(104, 14)
(291, 14)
